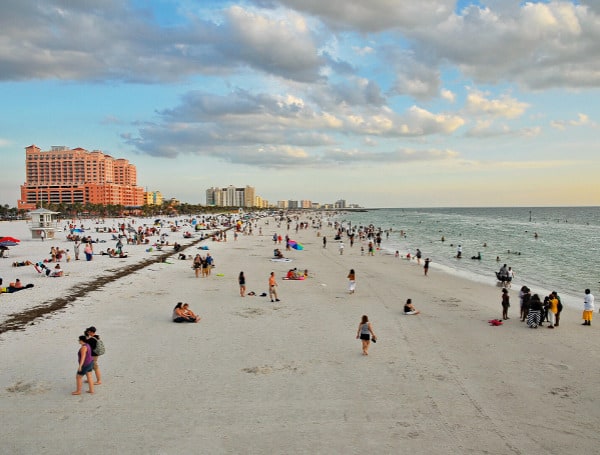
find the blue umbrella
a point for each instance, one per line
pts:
(8, 243)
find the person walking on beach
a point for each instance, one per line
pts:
(242, 282)
(588, 307)
(505, 303)
(509, 277)
(97, 349)
(341, 247)
(426, 266)
(365, 333)
(418, 255)
(351, 281)
(273, 288)
(324, 242)
(85, 366)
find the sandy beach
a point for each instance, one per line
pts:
(258, 377)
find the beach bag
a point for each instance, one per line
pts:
(100, 350)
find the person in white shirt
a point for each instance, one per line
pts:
(588, 307)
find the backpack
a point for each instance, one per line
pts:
(99, 347)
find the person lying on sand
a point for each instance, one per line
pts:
(22, 263)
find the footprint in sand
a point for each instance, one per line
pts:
(28, 388)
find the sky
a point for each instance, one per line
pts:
(382, 103)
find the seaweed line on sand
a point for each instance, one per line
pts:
(21, 320)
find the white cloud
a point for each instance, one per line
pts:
(504, 106)
(448, 95)
(582, 120)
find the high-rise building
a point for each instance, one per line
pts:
(230, 196)
(69, 176)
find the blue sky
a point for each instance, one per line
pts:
(385, 103)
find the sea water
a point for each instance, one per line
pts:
(549, 248)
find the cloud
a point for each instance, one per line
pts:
(365, 50)
(488, 129)
(537, 45)
(257, 128)
(582, 120)
(398, 156)
(373, 15)
(448, 95)
(116, 42)
(249, 37)
(504, 106)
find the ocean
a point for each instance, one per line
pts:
(549, 248)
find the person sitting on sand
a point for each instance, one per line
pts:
(181, 314)
(409, 308)
(189, 313)
(292, 274)
(277, 253)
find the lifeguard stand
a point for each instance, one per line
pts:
(43, 220)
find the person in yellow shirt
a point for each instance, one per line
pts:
(552, 310)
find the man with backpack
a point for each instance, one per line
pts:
(97, 346)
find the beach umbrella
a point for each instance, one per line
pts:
(77, 231)
(295, 245)
(9, 239)
(7, 243)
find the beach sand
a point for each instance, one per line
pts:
(257, 377)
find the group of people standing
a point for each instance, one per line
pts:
(202, 265)
(536, 311)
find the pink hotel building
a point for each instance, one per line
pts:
(69, 176)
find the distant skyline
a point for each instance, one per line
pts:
(385, 103)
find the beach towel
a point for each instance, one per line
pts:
(495, 322)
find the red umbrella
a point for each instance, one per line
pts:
(9, 239)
